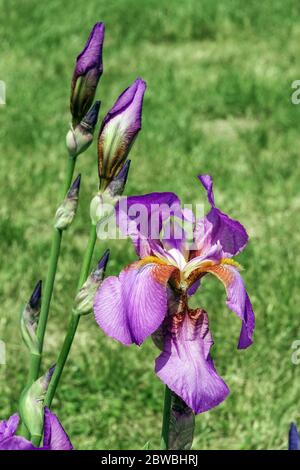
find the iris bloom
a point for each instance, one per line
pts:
(151, 296)
(119, 129)
(55, 437)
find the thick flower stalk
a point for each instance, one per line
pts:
(55, 437)
(151, 295)
(87, 73)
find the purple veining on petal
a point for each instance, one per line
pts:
(185, 365)
(55, 437)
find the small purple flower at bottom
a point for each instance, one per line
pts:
(55, 437)
(150, 296)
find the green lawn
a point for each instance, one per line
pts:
(219, 80)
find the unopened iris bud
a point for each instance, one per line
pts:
(79, 139)
(87, 73)
(66, 212)
(118, 131)
(29, 319)
(85, 298)
(32, 403)
(110, 196)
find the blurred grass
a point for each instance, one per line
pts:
(219, 83)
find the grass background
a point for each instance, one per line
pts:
(219, 85)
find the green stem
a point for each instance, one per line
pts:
(36, 439)
(73, 323)
(166, 419)
(35, 359)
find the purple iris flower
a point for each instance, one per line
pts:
(87, 73)
(119, 129)
(55, 437)
(150, 296)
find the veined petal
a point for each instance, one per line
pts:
(185, 365)
(129, 308)
(55, 437)
(119, 128)
(141, 218)
(16, 443)
(218, 227)
(8, 428)
(237, 300)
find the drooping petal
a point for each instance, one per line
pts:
(185, 365)
(129, 308)
(141, 217)
(55, 437)
(119, 128)
(294, 438)
(8, 428)
(218, 227)
(237, 300)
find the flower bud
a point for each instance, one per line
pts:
(29, 319)
(66, 212)
(32, 403)
(118, 131)
(85, 298)
(79, 139)
(87, 73)
(110, 196)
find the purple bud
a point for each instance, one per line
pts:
(118, 131)
(35, 299)
(74, 189)
(90, 119)
(79, 139)
(67, 210)
(87, 73)
(117, 185)
(294, 438)
(85, 298)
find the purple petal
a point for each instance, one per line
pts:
(55, 437)
(16, 443)
(217, 226)
(141, 217)
(8, 428)
(237, 300)
(129, 308)
(91, 56)
(119, 129)
(185, 365)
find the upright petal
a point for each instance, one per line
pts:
(132, 306)
(142, 217)
(55, 437)
(91, 56)
(237, 300)
(218, 227)
(119, 128)
(185, 365)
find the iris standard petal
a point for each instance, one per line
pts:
(55, 437)
(142, 217)
(129, 308)
(237, 300)
(218, 227)
(119, 128)
(185, 365)
(16, 443)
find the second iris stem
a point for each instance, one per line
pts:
(74, 320)
(166, 419)
(35, 361)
